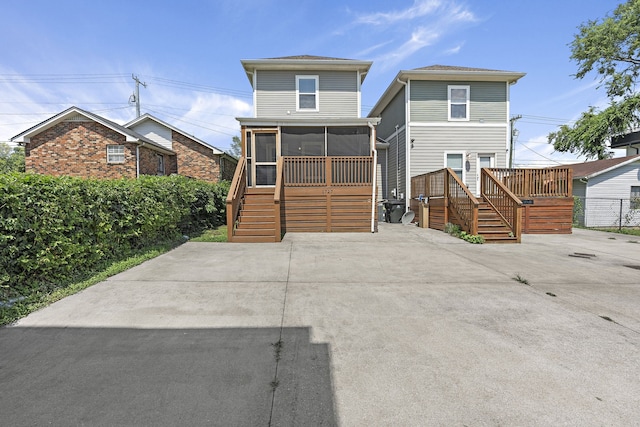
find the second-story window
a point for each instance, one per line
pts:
(459, 103)
(307, 93)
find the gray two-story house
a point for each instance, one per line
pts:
(443, 116)
(307, 154)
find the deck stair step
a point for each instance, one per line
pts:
(256, 221)
(492, 227)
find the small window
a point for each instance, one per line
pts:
(455, 161)
(160, 164)
(115, 153)
(459, 103)
(307, 93)
(635, 197)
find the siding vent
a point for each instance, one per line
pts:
(78, 118)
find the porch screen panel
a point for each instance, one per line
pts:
(302, 141)
(348, 141)
(265, 174)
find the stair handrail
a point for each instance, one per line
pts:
(277, 196)
(462, 200)
(506, 204)
(236, 193)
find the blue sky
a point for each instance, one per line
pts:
(54, 54)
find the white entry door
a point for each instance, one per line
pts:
(484, 161)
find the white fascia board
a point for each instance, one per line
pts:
(275, 121)
(593, 175)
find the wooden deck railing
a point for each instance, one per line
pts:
(236, 193)
(315, 171)
(462, 201)
(503, 201)
(277, 196)
(552, 182)
(430, 184)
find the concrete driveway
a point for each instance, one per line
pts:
(406, 327)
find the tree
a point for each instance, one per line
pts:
(11, 159)
(611, 48)
(235, 149)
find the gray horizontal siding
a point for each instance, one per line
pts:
(394, 114)
(488, 101)
(431, 142)
(276, 94)
(616, 183)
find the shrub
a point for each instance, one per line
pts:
(57, 230)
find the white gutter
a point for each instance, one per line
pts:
(407, 149)
(375, 178)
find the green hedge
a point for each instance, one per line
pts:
(56, 230)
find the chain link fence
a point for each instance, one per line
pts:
(606, 212)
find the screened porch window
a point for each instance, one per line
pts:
(303, 141)
(348, 141)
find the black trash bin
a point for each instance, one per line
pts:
(395, 209)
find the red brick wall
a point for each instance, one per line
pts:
(78, 149)
(195, 160)
(228, 169)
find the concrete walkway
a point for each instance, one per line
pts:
(406, 327)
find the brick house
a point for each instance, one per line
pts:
(78, 143)
(194, 157)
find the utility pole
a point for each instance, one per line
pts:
(513, 131)
(136, 95)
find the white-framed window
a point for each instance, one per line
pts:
(458, 100)
(307, 98)
(635, 197)
(115, 153)
(455, 160)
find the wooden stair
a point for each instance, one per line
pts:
(491, 226)
(256, 222)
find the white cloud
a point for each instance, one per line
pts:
(421, 25)
(420, 8)
(27, 101)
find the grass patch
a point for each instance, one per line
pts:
(39, 299)
(521, 279)
(627, 231)
(212, 235)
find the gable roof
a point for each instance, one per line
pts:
(443, 72)
(597, 167)
(305, 63)
(147, 116)
(74, 112)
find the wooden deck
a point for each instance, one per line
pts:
(312, 194)
(512, 202)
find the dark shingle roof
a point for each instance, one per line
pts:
(581, 170)
(456, 68)
(312, 57)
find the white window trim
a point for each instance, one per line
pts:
(317, 94)
(464, 160)
(118, 154)
(449, 103)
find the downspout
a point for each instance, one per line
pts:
(375, 178)
(138, 158)
(407, 150)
